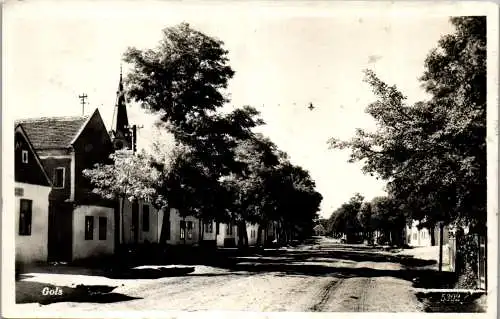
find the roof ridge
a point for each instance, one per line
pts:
(52, 118)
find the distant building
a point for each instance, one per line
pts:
(421, 237)
(319, 230)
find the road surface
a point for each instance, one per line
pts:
(322, 276)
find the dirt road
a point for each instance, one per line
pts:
(323, 276)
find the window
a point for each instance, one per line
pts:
(190, 230)
(217, 228)
(24, 156)
(229, 229)
(103, 221)
(89, 227)
(59, 177)
(25, 217)
(209, 227)
(145, 217)
(183, 229)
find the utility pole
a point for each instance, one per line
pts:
(134, 136)
(82, 97)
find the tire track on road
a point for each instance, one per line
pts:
(368, 285)
(326, 294)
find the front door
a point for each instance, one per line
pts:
(60, 237)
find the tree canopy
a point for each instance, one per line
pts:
(433, 153)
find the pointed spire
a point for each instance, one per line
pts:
(120, 85)
(120, 120)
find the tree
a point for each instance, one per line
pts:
(345, 218)
(132, 177)
(269, 188)
(432, 153)
(388, 217)
(292, 199)
(219, 174)
(183, 80)
(366, 221)
(257, 156)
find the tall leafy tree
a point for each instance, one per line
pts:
(183, 80)
(433, 153)
(250, 203)
(388, 217)
(365, 220)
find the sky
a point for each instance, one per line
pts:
(284, 56)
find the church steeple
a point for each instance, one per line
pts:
(122, 137)
(121, 108)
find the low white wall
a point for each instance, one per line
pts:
(83, 248)
(151, 235)
(223, 236)
(33, 247)
(416, 237)
(175, 228)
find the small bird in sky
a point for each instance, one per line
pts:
(311, 106)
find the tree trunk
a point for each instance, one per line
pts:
(122, 221)
(266, 234)
(432, 232)
(240, 235)
(164, 224)
(259, 235)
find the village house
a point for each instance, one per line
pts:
(32, 189)
(80, 224)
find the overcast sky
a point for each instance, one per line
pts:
(284, 58)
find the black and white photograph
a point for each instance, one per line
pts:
(249, 157)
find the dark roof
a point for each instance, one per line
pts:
(52, 132)
(27, 173)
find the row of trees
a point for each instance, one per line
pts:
(382, 218)
(218, 169)
(433, 153)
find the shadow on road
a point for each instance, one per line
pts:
(42, 293)
(108, 270)
(149, 273)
